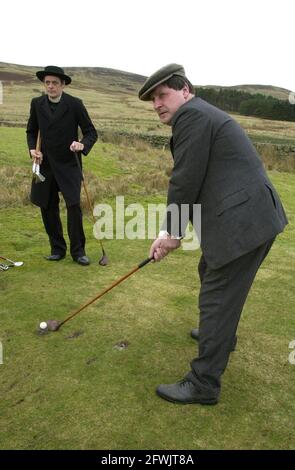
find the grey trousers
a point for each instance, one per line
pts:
(222, 296)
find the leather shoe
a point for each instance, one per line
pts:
(83, 260)
(195, 335)
(54, 257)
(184, 392)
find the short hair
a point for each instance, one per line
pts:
(177, 83)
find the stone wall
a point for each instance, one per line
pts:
(279, 157)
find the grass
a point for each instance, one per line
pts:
(111, 169)
(112, 102)
(75, 389)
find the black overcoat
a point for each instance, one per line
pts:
(58, 130)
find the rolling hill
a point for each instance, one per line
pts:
(111, 99)
(104, 78)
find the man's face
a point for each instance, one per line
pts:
(166, 101)
(53, 86)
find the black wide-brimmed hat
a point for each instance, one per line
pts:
(160, 76)
(54, 70)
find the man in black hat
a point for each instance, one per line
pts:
(57, 116)
(216, 166)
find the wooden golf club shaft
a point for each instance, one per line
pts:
(38, 147)
(38, 143)
(88, 199)
(7, 259)
(115, 283)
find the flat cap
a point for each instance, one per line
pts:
(160, 76)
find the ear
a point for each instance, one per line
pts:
(185, 91)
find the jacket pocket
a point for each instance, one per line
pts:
(233, 200)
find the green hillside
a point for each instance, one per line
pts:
(268, 90)
(111, 98)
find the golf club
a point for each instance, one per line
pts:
(3, 267)
(104, 259)
(38, 178)
(54, 325)
(36, 173)
(12, 263)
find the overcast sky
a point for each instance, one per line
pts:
(222, 42)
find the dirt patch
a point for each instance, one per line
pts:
(75, 335)
(91, 360)
(121, 345)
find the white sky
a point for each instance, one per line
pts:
(223, 42)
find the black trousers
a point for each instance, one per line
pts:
(54, 230)
(222, 297)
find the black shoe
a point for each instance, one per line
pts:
(54, 257)
(184, 392)
(195, 335)
(83, 260)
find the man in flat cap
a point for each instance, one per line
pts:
(216, 166)
(57, 116)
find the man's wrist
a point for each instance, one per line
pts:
(165, 234)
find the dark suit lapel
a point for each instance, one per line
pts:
(44, 108)
(51, 117)
(60, 111)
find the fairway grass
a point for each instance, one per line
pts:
(78, 389)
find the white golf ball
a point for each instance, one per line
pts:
(43, 325)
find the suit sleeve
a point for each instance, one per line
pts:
(32, 127)
(191, 149)
(87, 128)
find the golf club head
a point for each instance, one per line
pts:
(36, 173)
(4, 267)
(38, 178)
(53, 325)
(49, 325)
(41, 178)
(103, 260)
(16, 264)
(12, 263)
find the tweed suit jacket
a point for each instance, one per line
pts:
(217, 166)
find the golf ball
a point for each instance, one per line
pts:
(43, 325)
